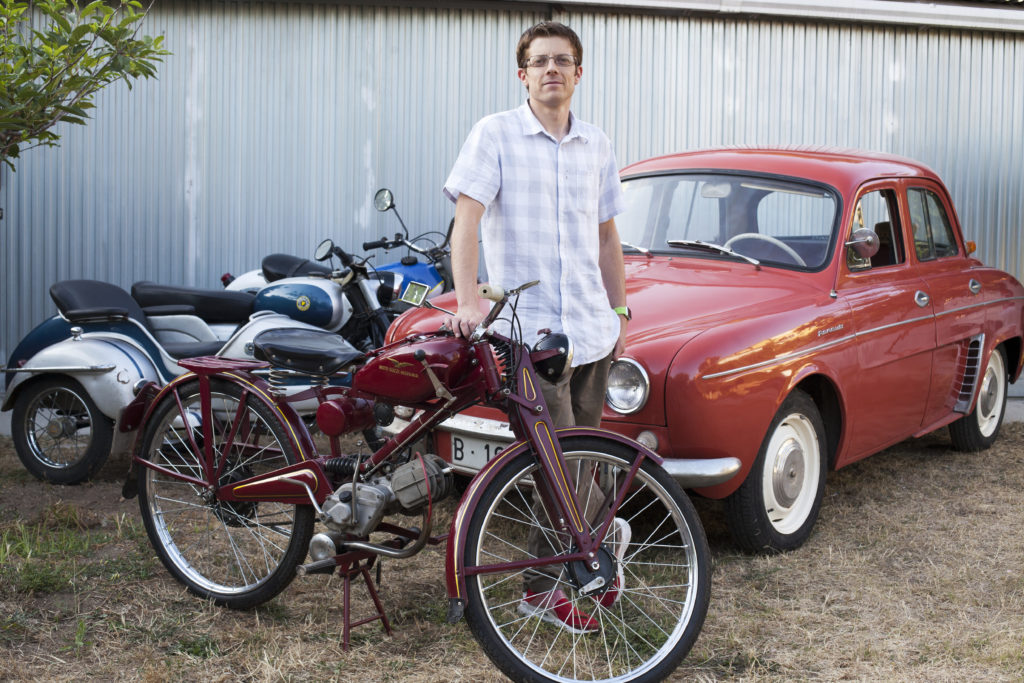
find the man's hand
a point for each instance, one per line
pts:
(620, 344)
(465, 320)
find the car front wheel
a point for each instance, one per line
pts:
(978, 430)
(777, 505)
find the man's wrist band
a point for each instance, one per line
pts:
(623, 311)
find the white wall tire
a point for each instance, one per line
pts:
(777, 505)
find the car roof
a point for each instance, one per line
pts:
(839, 167)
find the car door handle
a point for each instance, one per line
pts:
(921, 298)
(974, 286)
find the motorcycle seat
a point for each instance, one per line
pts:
(279, 266)
(212, 305)
(83, 301)
(307, 351)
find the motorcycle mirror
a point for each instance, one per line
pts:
(324, 250)
(384, 200)
(415, 293)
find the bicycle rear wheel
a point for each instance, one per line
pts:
(660, 609)
(238, 554)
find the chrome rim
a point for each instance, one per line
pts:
(58, 427)
(792, 468)
(659, 568)
(226, 548)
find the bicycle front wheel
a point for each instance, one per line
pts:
(238, 554)
(662, 580)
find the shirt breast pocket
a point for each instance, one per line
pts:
(588, 191)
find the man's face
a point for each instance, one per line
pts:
(550, 84)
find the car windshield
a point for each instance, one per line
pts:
(778, 222)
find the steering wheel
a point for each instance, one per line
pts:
(770, 240)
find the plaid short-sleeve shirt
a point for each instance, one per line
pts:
(544, 200)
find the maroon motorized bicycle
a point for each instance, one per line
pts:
(231, 485)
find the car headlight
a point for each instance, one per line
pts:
(628, 386)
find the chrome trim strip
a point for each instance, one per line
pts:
(87, 369)
(813, 349)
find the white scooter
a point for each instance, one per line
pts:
(71, 378)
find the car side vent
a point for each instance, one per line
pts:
(970, 367)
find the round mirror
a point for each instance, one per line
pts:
(864, 242)
(323, 250)
(383, 200)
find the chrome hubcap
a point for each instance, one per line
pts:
(788, 473)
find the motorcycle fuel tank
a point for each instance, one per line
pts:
(398, 375)
(314, 301)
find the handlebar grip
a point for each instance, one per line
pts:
(376, 244)
(492, 292)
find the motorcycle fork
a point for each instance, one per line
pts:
(557, 490)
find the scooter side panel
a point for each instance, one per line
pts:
(170, 329)
(107, 368)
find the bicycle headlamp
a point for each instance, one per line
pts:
(553, 366)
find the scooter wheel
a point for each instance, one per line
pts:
(59, 433)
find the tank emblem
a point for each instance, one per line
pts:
(302, 303)
(398, 367)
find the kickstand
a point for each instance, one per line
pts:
(350, 566)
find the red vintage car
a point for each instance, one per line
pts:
(798, 309)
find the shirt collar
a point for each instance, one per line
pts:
(532, 126)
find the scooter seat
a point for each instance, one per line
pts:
(192, 349)
(279, 266)
(308, 351)
(212, 305)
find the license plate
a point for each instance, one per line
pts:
(470, 453)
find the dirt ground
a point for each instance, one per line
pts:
(913, 573)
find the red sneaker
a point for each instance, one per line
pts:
(555, 608)
(618, 538)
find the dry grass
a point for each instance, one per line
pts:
(913, 573)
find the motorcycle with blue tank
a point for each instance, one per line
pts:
(428, 277)
(70, 378)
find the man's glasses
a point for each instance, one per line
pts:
(539, 61)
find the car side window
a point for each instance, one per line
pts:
(876, 211)
(933, 232)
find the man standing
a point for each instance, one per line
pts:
(544, 189)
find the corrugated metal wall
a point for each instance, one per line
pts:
(271, 126)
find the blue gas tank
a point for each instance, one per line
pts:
(316, 301)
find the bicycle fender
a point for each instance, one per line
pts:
(454, 561)
(256, 387)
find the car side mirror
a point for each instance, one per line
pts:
(864, 242)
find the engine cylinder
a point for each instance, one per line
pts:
(346, 414)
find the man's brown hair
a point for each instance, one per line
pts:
(547, 29)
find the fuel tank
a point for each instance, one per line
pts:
(398, 375)
(316, 301)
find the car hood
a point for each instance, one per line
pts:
(672, 296)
